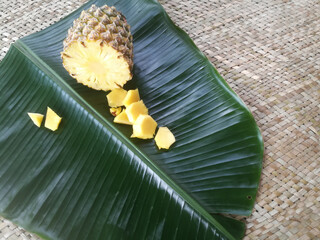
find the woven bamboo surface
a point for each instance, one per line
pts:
(269, 53)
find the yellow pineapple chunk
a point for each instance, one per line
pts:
(36, 118)
(52, 120)
(164, 138)
(135, 109)
(122, 118)
(116, 97)
(115, 111)
(144, 127)
(131, 97)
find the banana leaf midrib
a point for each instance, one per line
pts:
(20, 46)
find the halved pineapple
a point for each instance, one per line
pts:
(98, 50)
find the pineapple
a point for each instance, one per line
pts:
(122, 118)
(116, 97)
(131, 97)
(164, 138)
(115, 111)
(52, 120)
(98, 50)
(36, 118)
(135, 109)
(144, 127)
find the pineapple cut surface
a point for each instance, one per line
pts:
(98, 50)
(164, 138)
(96, 65)
(36, 118)
(135, 109)
(116, 97)
(144, 127)
(52, 120)
(131, 97)
(122, 118)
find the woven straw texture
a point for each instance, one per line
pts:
(269, 53)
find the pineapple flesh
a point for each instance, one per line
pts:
(115, 111)
(122, 118)
(36, 118)
(52, 120)
(135, 109)
(164, 138)
(131, 97)
(144, 127)
(98, 50)
(116, 97)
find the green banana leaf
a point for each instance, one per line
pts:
(89, 179)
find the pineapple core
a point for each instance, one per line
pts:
(116, 97)
(164, 138)
(52, 120)
(135, 109)
(131, 97)
(122, 118)
(144, 127)
(96, 65)
(36, 118)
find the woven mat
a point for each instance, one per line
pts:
(269, 53)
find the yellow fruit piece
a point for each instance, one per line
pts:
(116, 97)
(122, 118)
(52, 120)
(115, 111)
(164, 138)
(131, 97)
(144, 127)
(36, 118)
(135, 109)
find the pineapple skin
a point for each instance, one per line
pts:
(105, 25)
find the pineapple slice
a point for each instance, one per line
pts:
(116, 97)
(135, 109)
(122, 118)
(144, 127)
(36, 118)
(131, 97)
(164, 138)
(52, 120)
